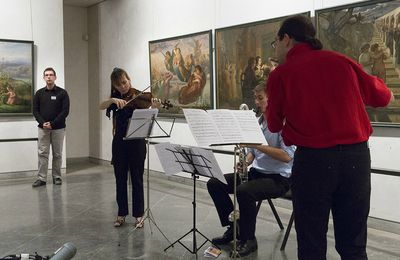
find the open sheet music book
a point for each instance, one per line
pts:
(224, 127)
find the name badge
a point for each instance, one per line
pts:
(53, 97)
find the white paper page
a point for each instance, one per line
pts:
(202, 127)
(171, 160)
(145, 113)
(140, 123)
(248, 125)
(227, 126)
(206, 164)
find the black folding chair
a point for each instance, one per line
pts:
(287, 196)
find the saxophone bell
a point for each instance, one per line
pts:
(256, 110)
(243, 107)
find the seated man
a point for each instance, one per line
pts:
(268, 178)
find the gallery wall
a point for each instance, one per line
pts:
(76, 41)
(118, 33)
(123, 42)
(41, 22)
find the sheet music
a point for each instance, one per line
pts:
(201, 126)
(249, 127)
(227, 125)
(140, 123)
(145, 113)
(211, 167)
(223, 126)
(168, 160)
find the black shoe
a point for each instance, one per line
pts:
(57, 181)
(226, 238)
(38, 183)
(247, 247)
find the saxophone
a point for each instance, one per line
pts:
(241, 170)
(243, 175)
(242, 167)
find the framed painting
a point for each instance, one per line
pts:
(368, 32)
(181, 71)
(16, 77)
(243, 59)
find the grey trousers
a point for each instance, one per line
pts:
(55, 138)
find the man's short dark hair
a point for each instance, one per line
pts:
(301, 29)
(49, 69)
(259, 88)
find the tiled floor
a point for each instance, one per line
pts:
(83, 209)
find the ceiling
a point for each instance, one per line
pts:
(82, 3)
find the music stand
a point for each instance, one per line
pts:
(195, 161)
(225, 127)
(141, 126)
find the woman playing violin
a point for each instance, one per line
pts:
(127, 155)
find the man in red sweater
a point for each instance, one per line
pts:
(317, 99)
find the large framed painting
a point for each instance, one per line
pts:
(181, 71)
(16, 77)
(243, 59)
(368, 32)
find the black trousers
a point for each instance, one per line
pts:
(129, 156)
(334, 179)
(259, 187)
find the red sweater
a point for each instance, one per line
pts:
(317, 98)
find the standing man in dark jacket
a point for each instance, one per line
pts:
(50, 108)
(317, 99)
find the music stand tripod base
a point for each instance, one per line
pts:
(197, 162)
(194, 230)
(141, 127)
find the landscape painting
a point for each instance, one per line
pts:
(16, 77)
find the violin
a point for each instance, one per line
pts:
(139, 99)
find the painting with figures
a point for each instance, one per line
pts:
(368, 32)
(16, 77)
(244, 57)
(181, 71)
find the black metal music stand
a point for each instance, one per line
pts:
(141, 126)
(192, 163)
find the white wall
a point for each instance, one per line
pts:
(95, 141)
(124, 29)
(41, 22)
(76, 80)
